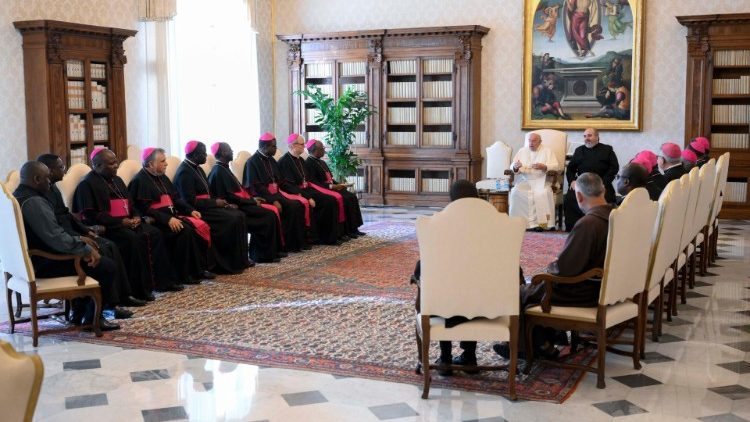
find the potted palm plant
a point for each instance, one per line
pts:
(339, 119)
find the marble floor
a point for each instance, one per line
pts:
(699, 371)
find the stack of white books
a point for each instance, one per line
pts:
(100, 130)
(353, 68)
(732, 58)
(402, 138)
(437, 66)
(318, 70)
(320, 136)
(437, 89)
(74, 68)
(358, 183)
(402, 115)
(78, 156)
(77, 128)
(438, 115)
(435, 185)
(736, 192)
(440, 139)
(730, 140)
(402, 90)
(98, 96)
(98, 71)
(732, 86)
(731, 114)
(403, 67)
(354, 87)
(310, 115)
(360, 138)
(76, 95)
(403, 184)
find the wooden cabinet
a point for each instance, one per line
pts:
(717, 102)
(425, 83)
(75, 88)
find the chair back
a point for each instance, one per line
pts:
(238, 165)
(694, 187)
(498, 159)
(470, 256)
(722, 170)
(13, 180)
(70, 181)
(667, 229)
(134, 153)
(128, 169)
(209, 164)
(14, 256)
(172, 164)
(556, 141)
(20, 384)
(707, 178)
(628, 248)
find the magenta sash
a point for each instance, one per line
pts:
(329, 178)
(203, 196)
(339, 199)
(304, 202)
(200, 226)
(244, 195)
(119, 208)
(273, 188)
(278, 217)
(164, 201)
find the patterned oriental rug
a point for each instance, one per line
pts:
(345, 310)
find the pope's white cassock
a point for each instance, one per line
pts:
(531, 196)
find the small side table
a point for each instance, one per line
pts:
(495, 197)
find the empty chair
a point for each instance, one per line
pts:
(128, 169)
(20, 384)
(238, 165)
(209, 164)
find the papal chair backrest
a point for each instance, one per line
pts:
(13, 180)
(172, 164)
(238, 165)
(694, 187)
(70, 181)
(498, 159)
(14, 257)
(470, 256)
(722, 170)
(667, 229)
(707, 177)
(128, 169)
(134, 152)
(209, 164)
(555, 140)
(628, 248)
(20, 384)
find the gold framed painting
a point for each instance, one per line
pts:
(583, 64)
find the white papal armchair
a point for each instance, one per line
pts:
(128, 169)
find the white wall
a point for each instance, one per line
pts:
(502, 67)
(115, 13)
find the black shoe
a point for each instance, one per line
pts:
(134, 302)
(104, 325)
(150, 297)
(192, 281)
(345, 238)
(208, 275)
(503, 349)
(360, 233)
(173, 288)
(306, 248)
(463, 360)
(121, 313)
(443, 370)
(282, 254)
(250, 263)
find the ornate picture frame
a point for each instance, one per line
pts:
(583, 64)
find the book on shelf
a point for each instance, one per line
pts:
(355, 87)
(310, 115)
(76, 94)
(403, 67)
(437, 115)
(360, 138)
(437, 89)
(739, 85)
(353, 68)
(403, 184)
(437, 66)
(732, 58)
(435, 185)
(320, 136)
(736, 192)
(77, 128)
(98, 95)
(730, 140)
(98, 71)
(731, 114)
(326, 89)
(402, 115)
(357, 183)
(402, 90)
(441, 139)
(74, 68)
(100, 130)
(78, 155)
(318, 70)
(402, 138)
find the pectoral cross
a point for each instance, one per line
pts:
(125, 207)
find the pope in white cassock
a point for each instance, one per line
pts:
(531, 196)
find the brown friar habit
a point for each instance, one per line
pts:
(228, 235)
(320, 174)
(143, 248)
(186, 248)
(260, 172)
(261, 223)
(326, 211)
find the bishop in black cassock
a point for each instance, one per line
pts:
(263, 177)
(263, 221)
(228, 234)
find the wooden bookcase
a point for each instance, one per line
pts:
(717, 102)
(75, 88)
(425, 83)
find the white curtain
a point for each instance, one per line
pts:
(161, 86)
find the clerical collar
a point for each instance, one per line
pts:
(191, 162)
(262, 154)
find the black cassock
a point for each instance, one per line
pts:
(326, 211)
(107, 203)
(187, 248)
(263, 178)
(320, 174)
(262, 223)
(599, 159)
(228, 235)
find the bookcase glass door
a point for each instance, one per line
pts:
(87, 107)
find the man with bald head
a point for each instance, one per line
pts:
(43, 232)
(102, 198)
(632, 176)
(531, 196)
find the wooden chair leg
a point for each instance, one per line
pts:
(513, 357)
(19, 304)
(691, 270)
(601, 353)
(658, 313)
(34, 323)
(425, 357)
(9, 302)
(97, 312)
(529, 347)
(637, 337)
(704, 251)
(643, 321)
(683, 283)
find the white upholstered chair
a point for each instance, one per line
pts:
(703, 212)
(623, 278)
(685, 258)
(238, 164)
(19, 273)
(498, 157)
(209, 164)
(13, 180)
(172, 164)
(128, 169)
(473, 275)
(722, 171)
(70, 181)
(20, 383)
(134, 152)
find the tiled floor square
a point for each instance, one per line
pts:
(495, 419)
(733, 392)
(740, 367)
(79, 365)
(669, 338)
(693, 294)
(699, 283)
(726, 417)
(164, 414)
(655, 357)
(152, 375)
(686, 307)
(304, 398)
(740, 345)
(676, 322)
(745, 328)
(619, 408)
(393, 411)
(636, 380)
(76, 402)
(746, 313)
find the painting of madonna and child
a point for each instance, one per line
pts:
(582, 64)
